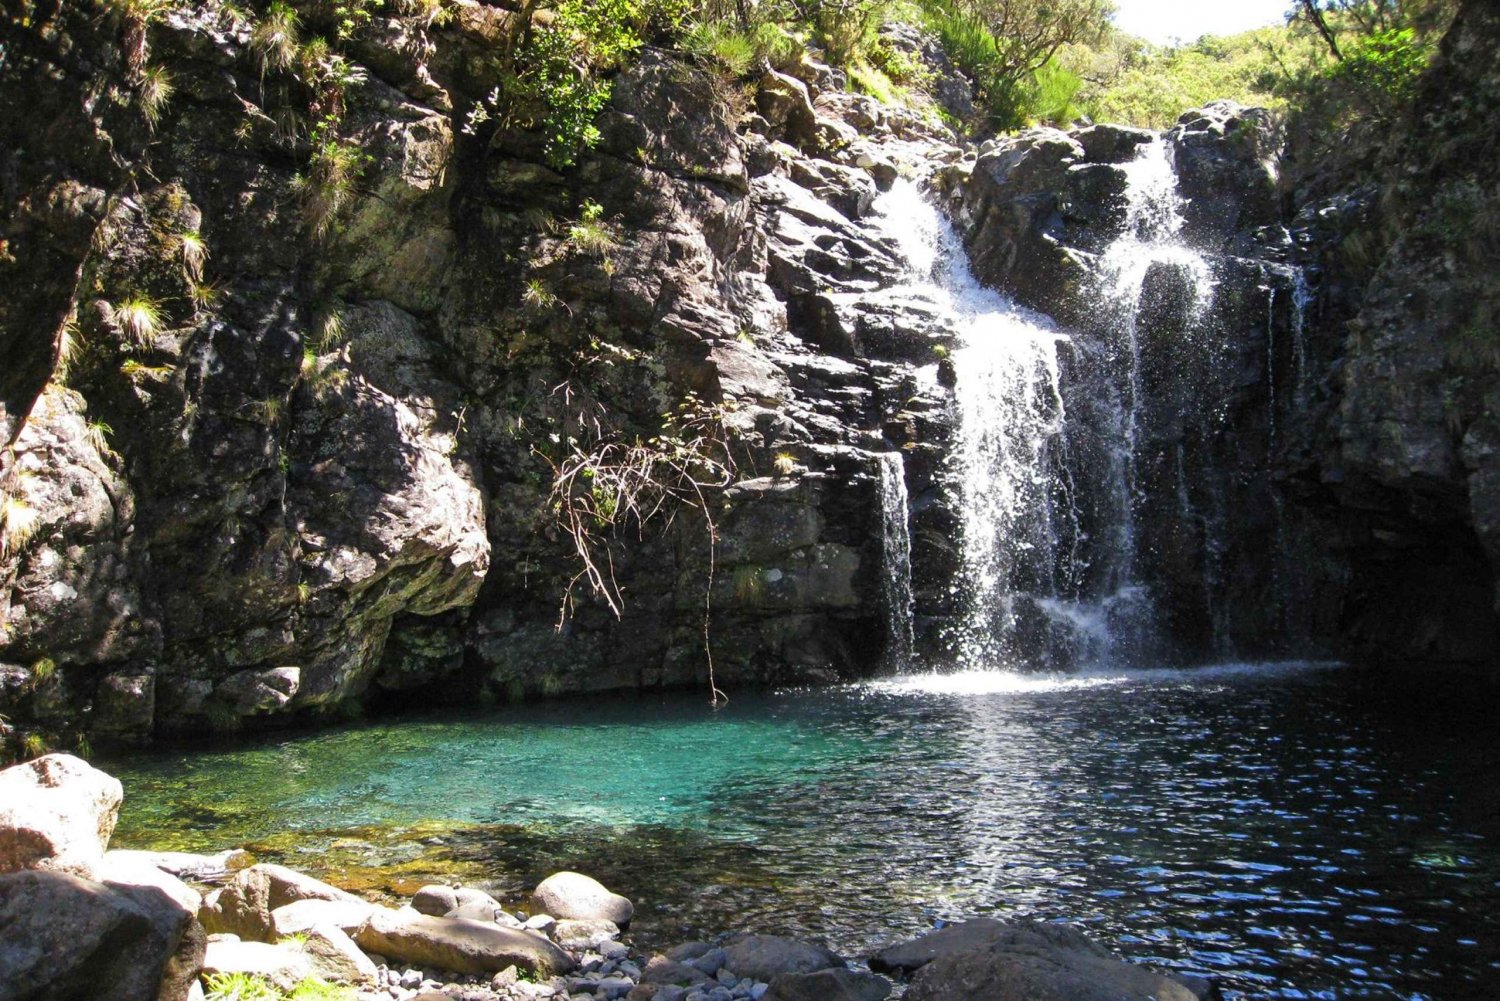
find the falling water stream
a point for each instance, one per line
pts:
(896, 555)
(1038, 587)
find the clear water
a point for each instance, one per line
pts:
(1296, 831)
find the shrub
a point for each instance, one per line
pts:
(328, 183)
(591, 235)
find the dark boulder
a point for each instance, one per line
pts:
(63, 938)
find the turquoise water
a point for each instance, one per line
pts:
(1296, 831)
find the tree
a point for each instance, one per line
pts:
(1028, 33)
(1004, 44)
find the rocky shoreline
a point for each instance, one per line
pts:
(78, 919)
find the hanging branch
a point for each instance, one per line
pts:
(613, 483)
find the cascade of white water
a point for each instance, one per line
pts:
(1047, 579)
(1149, 241)
(1010, 412)
(896, 545)
(1301, 299)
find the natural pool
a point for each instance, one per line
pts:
(1298, 831)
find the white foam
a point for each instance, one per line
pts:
(979, 682)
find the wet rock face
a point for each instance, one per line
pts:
(328, 482)
(1225, 157)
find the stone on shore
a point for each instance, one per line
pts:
(244, 905)
(56, 812)
(663, 972)
(281, 965)
(336, 957)
(765, 957)
(62, 937)
(1024, 961)
(574, 933)
(458, 944)
(579, 897)
(455, 902)
(125, 869)
(829, 985)
(906, 958)
(302, 915)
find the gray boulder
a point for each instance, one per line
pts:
(575, 933)
(766, 957)
(244, 906)
(458, 944)
(1225, 156)
(301, 915)
(1112, 143)
(907, 958)
(122, 870)
(456, 902)
(63, 938)
(1024, 961)
(56, 812)
(335, 957)
(579, 897)
(829, 985)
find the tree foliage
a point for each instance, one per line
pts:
(1007, 47)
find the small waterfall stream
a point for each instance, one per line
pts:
(1049, 562)
(896, 556)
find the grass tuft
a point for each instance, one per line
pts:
(155, 91)
(138, 317)
(194, 254)
(274, 38)
(21, 523)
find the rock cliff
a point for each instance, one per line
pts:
(286, 408)
(289, 443)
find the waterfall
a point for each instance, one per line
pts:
(1049, 564)
(1010, 416)
(896, 556)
